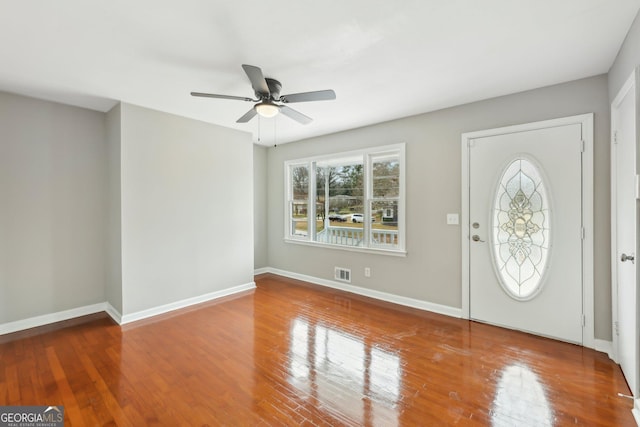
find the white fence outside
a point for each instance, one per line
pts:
(350, 236)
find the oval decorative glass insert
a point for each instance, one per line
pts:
(521, 229)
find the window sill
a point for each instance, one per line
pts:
(377, 251)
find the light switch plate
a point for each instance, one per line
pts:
(453, 219)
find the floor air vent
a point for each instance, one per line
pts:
(343, 274)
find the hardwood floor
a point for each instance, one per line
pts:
(289, 353)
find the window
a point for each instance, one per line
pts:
(351, 200)
(299, 200)
(521, 229)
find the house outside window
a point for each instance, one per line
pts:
(352, 200)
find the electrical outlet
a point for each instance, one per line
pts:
(367, 272)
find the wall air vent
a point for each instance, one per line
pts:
(343, 274)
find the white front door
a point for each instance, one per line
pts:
(525, 230)
(624, 211)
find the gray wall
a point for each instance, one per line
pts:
(134, 207)
(187, 208)
(261, 233)
(113, 282)
(628, 58)
(432, 269)
(52, 220)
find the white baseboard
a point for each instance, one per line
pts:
(604, 347)
(261, 271)
(636, 410)
(162, 309)
(113, 313)
(45, 319)
(383, 296)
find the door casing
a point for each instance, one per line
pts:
(586, 121)
(630, 84)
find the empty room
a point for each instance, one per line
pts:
(417, 213)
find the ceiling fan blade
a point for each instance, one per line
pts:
(213, 95)
(319, 95)
(295, 115)
(258, 82)
(248, 116)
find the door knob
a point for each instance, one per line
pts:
(626, 257)
(476, 238)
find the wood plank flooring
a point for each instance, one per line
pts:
(294, 354)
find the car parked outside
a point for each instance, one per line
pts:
(337, 217)
(358, 217)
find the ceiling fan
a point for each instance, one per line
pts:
(268, 96)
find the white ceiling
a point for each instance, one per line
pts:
(384, 59)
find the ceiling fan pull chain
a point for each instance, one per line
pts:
(275, 134)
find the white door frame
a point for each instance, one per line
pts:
(586, 121)
(630, 84)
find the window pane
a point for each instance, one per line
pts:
(521, 229)
(345, 180)
(346, 189)
(386, 177)
(299, 182)
(299, 193)
(321, 197)
(299, 223)
(384, 228)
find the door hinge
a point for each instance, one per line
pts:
(615, 136)
(582, 144)
(616, 328)
(582, 233)
(584, 320)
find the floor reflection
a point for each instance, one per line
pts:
(520, 399)
(345, 372)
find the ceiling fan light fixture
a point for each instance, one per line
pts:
(267, 93)
(267, 109)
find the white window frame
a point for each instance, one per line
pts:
(289, 201)
(367, 155)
